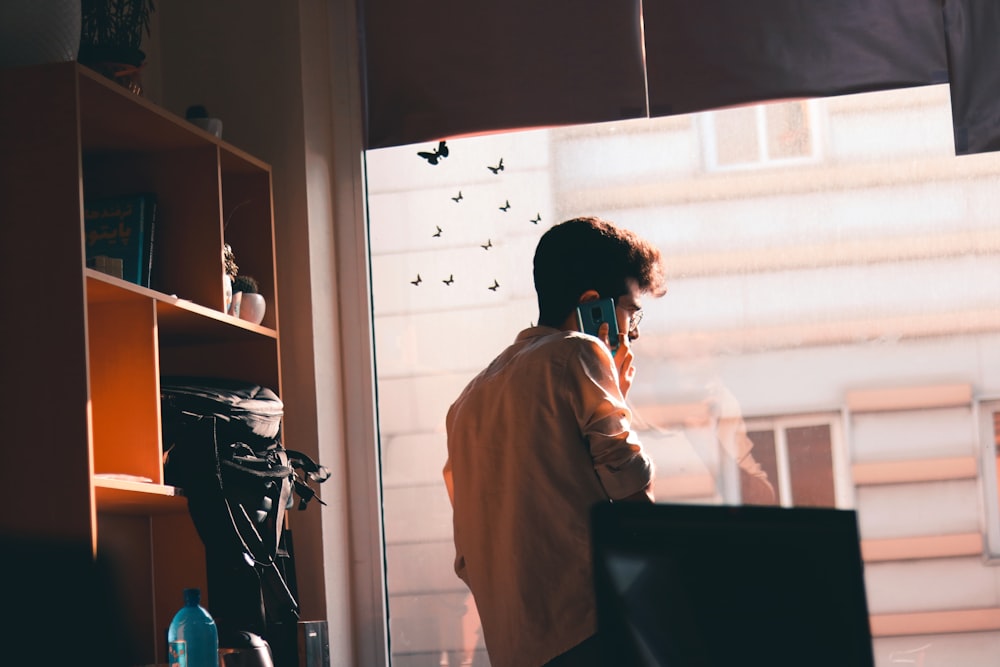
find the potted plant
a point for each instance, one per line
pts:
(248, 302)
(111, 39)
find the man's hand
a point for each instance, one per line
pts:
(623, 358)
(623, 362)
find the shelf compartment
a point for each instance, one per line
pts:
(111, 118)
(246, 197)
(187, 237)
(124, 390)
(179, 320)
(137, 544)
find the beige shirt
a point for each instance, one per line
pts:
(534, 441)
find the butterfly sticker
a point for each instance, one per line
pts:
(438, 154)
(497, 169)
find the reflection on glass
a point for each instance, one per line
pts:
(993, 444)
(815, 249)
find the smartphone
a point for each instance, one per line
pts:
(590, 316)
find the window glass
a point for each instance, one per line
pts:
(810, 466)
(877, 266)
(748, 137)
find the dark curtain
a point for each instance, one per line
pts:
(451, 68)
(716, 53)
(973, 38)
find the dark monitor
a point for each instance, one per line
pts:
(715, 585)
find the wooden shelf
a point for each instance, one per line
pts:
(119, 496)
(107, 342)
(180, 320)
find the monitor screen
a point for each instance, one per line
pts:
(715, 585)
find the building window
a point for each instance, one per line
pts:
(989, 448)
(761, 135)
(800, 456)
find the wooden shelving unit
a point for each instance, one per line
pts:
(83, 352)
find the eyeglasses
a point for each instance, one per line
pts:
(633, 321)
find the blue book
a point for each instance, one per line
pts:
(118, 236)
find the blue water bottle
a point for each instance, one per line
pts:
(193, 637)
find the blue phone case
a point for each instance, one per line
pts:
(590, 316)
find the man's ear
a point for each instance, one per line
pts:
(588, 296)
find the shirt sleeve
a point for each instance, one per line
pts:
(605, 421)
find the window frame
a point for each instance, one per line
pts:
(988, 458)
(710, 143)
(843, 486)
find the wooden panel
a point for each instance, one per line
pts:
(125, 541)
(909, 398)
(913, 548)
(42, 337)
(178, 557)
(925, 470)
(117, 496)
(935, 622)
(185, 322)
(125, 389)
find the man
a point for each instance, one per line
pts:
(539, 437)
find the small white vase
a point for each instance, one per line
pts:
(252, 307)
(227, 293)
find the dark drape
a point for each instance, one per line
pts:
(452, 67)
(715, 53)
(973, 38)
(455, 67)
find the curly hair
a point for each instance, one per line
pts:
(590, 253)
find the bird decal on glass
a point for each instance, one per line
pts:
(537, 219)
(497, 169)
(494, 286)
(438, 154)
(506, 206)
(437, 234)
(487, 245)
(457, 198)
(417, 282)
(449, 280)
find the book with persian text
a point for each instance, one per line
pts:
(118, 236)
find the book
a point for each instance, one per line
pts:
(118, 236)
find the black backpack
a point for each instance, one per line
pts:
(222, 446)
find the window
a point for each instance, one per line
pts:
(766, 134)
(989, 449)
(803, 457)
(879, 270)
